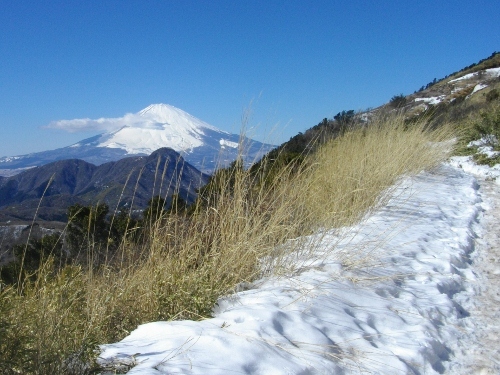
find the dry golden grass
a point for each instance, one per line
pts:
(187, 261)
(352, 172)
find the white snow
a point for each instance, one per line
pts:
(158, 125)
(8, 159)
(478, 87)
(431, 100)
(491, 73)
(365, 117)
(401, 314)
(167, 114)
(225, 142)
(146, 141)
(467, 76)
(481, 171)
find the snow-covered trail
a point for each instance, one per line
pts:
(479, 351)
(423, 307)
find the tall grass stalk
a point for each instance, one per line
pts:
(239, 232)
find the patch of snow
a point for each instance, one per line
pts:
(488, 151)
(404, 316)
(484, 145)
(467, 76)
(8, 159)
(225, 142)
(487, 140)
(365, 117)
(482, 171)
(432, 100)
(479, 87)
(491, 73)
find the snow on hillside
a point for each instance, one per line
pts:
(224, 143)
(491, 73)
(416, 313)
(432, 100)
(447, 91)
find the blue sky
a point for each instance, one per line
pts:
(293, 62)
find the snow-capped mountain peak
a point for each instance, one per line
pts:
(169, 115)
(156, 126)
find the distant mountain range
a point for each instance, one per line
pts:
(129, 182)
(159, 125)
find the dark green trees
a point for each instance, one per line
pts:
(344, 117)
(29, 257)
(398, 101)
(87, 226)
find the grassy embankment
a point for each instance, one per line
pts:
(52, 322)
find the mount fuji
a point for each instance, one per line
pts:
(156, 126)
